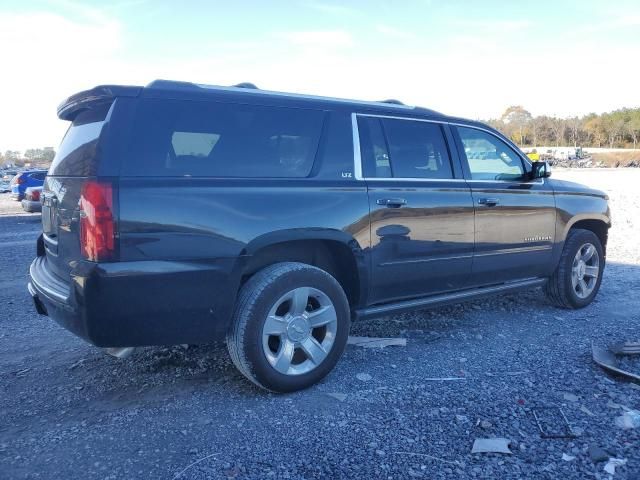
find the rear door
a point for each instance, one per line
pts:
(421, 208)
(514, 217)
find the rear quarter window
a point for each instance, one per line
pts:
(209, 139)
(77, 155)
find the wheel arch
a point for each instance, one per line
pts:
(598, 224)
(334, 251)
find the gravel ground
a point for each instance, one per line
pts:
(68, 411)
(10, 207)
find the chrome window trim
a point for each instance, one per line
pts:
(357, 157)
(395, 117)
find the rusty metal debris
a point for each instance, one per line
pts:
(606, 358)
(553, 423)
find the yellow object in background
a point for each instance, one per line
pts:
(534, 156)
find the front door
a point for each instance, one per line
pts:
(515, 217)
(421, 209)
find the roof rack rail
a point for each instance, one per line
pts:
(392, 101)
(246, 85)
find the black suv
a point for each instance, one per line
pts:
(183, 213)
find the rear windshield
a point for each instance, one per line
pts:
(76, 155)
(207, 139)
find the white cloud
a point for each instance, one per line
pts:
(395, 33)
(494, 26)
(50, 57)
(333, 9)
(319, 38)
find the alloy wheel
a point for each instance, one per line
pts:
(299, 331)
(585, 270)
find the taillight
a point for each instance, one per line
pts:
(97, 229)
(35, 195)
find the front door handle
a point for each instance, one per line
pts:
(489, 202)
(391, 202)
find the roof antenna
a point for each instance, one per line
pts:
(246, 85)
(393, 101)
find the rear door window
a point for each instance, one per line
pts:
(76, 155)
(173, 138)
(417, 149)
(373, 149)
(394, 148)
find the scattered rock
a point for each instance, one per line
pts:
(341, 397)
(587, 411)
(486, 424)
(364, 377)
(611, 465)
(568, 458)
(570, 397)
(597, 454)
(629, 419)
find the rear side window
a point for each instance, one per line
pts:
(173, 138)
(373, 149)
(417, 149)
(392, 148)
(76, 155)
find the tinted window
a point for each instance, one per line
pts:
(417, 149)
(489, 157)
(403, 149)
(223, 140)
(373, 149)
(76, 155)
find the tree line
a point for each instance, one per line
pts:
(617, 129)
(43, 156)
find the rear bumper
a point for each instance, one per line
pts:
(31, 205)
(127, 304)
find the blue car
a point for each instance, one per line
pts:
(24, 180)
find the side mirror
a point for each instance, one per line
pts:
(540, 169)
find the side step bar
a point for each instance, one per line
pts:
(445, 299)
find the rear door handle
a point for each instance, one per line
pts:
(391, 202)
(489, 202)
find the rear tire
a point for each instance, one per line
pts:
(576, 281)
(290, 326)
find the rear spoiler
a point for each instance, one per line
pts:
(73, 105)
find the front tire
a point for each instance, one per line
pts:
(290, 326)
(576, 281)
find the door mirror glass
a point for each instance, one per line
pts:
(540, 170)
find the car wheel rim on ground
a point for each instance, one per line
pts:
(585, 270)
(299, 331)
